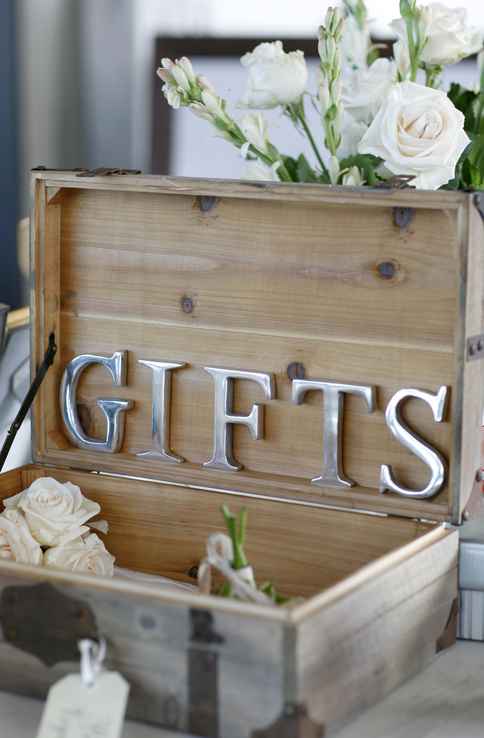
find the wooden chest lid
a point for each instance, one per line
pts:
(372, 288)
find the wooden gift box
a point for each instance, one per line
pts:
(376, 287)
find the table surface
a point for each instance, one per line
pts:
(444, 701)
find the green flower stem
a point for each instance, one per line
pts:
(302, 119)
(238, 139)
(480, 113)
(411, 14)
(414, 64)
(432, 76)
(480, 105)
(237, 534)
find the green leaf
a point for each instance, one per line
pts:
(367, 164)
(469, 174)
(291, 166)
(475, 162)
(305, 173)
(331, 113)
(272, 152)
(467, 101)
(405, 9)
(373, 55)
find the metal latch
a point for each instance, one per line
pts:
(475, 347)
(43, 621)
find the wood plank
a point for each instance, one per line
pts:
(149, 642)
(364, 643)
(285, 461)
(259, 267)
(469, 398)
(18, 318)
(260, 190)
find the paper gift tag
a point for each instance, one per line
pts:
(74, 710)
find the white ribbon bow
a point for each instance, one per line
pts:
(220, 554)
(92, 659)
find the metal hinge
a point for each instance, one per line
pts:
(398, 182)
(475, 347)
(83, 172)
(107, 172)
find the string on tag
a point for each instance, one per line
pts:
(92, 659)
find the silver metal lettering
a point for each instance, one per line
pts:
(160, 413)
(114, 409)
(333, 412)
(413, 443)
(224, 419)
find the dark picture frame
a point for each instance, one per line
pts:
(221, 47)
(215, 47)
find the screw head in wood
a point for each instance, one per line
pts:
(386, 269)
(187, 304)
(296, 370)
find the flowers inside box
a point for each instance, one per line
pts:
(382, 119)
(50, 524)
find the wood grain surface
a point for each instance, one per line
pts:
(273, 278)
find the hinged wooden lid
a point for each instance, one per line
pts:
(327, 283)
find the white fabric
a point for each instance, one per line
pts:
(153, 580)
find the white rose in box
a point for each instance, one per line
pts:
(419, 132)
(275, 77)
(449, 38)
(16, 541)
(365, 92)
(84, 556)
(55, 512)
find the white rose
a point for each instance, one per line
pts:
(275, 78)
(256, 170)
(84, 556)
(254, 128)
(352, 131)
(16, 541)
(418, 132)
(365, 91)
(55, 512)
(449, 38)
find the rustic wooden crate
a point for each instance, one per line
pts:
(376, 287)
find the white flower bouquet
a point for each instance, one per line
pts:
(383, 120)
(48, 524)
(51, 524)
